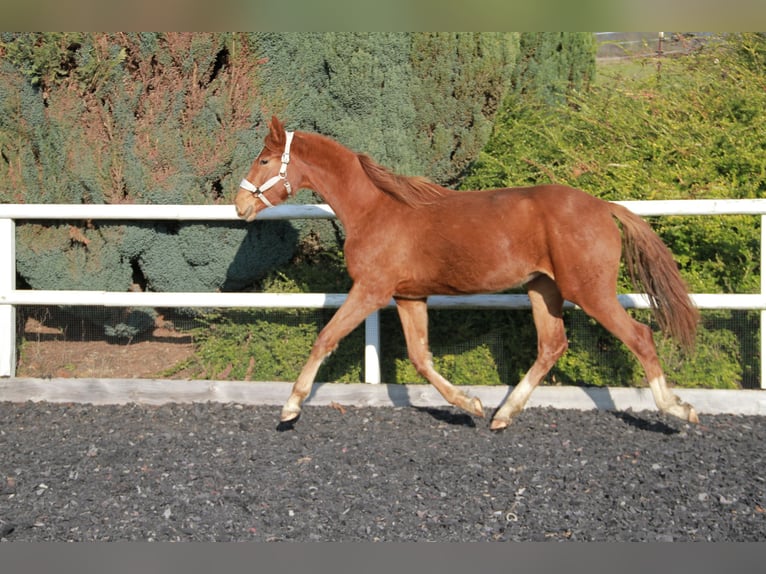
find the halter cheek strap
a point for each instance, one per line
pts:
(257, 191)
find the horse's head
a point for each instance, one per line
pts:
(266, 183)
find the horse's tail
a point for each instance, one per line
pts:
(654, 271)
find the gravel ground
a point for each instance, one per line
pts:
(223, 472)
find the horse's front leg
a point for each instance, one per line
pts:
(359, 304)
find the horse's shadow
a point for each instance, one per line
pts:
(602, 399)
(645, 425)
(451, 417)
(448, 416)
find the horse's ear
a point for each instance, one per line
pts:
(276, 130)
(276, 125)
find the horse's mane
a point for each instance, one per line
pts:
(412, 191)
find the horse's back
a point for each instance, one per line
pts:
(557, 209)
(560, 200)
(548, 217)
(496, 239)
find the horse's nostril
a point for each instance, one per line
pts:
(244, 213)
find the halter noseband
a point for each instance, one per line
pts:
(281, 176)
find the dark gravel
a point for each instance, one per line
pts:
(223, 472)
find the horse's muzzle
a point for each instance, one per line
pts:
(245, 206)
(246, 212)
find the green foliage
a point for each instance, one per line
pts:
(468, 347)
(312, 270)
(210, 256)
(594, 357)
(459, 82)
(717, 363)
(679, 135)
(350, 86)
(131, 323)
(92, 261)
(239, 343)
(553, 65)
(691, 131)
(407, 99)
(132, 118)
(265, 345)
(44, 58)
(470, 367)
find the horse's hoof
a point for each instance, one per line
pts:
(289, 414)
(692, 417)
(471, 405)
(478, 408)
(683, 411)
(499, 424)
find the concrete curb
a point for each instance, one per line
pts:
(161, 391)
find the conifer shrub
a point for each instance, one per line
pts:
(132, 118)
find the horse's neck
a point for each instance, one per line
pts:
(339, 179)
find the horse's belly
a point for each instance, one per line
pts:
(466, 279)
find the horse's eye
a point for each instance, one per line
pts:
(264, 161)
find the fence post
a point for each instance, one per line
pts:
(7, 284)
(372, 348)
(763, 312)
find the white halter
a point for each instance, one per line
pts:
(282, 175)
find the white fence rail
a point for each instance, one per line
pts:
(10, 296)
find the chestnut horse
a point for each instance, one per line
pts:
(408, 238)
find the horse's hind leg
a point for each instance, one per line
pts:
(638, 338)
(414, 317)
(547, 305)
